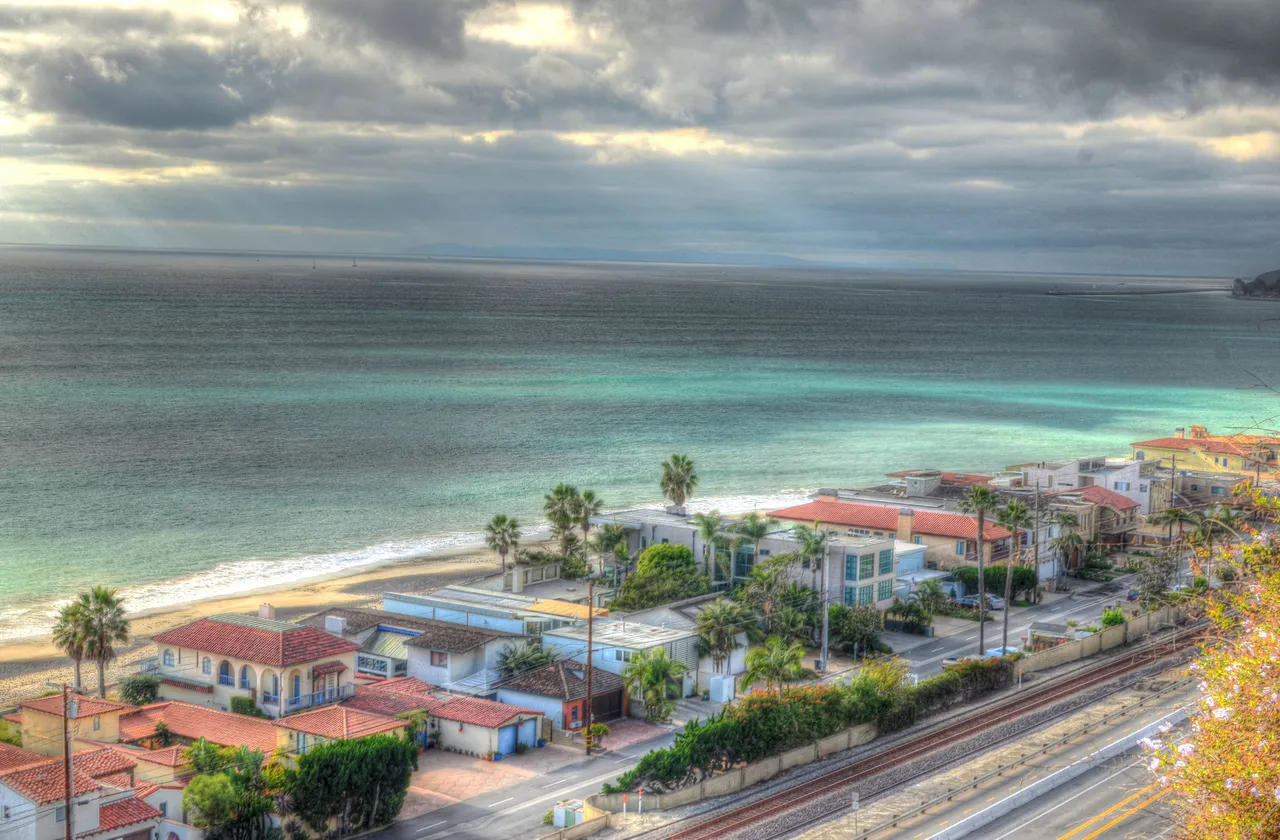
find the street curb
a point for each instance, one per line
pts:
(1037, 789)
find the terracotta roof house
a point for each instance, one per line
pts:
(304, 731)
(399, 696)
(191, 723)
(282, 667)
(106, 809)
(1258, 455)
(11, 758)
(559, 691)
(950, 539)
(90, 720)
(1117, 514)
(479, 727)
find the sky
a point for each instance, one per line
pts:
(1135, 136)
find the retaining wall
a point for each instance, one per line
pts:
(1131, 631)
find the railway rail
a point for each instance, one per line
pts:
(725, 823)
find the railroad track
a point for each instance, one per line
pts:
(704, 826)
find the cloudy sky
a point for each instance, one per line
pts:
(1095, 135)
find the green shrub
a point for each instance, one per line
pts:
(1025, 580)
(139, 689)
(664, 573)
(8, 736)
(246, 706)
(549, 818)
(1112, 616)
(363, 781)
(522, 748)
(599, 730)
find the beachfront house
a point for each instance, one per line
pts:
(1257, 455)
(1138, 481)
(949, 539)
(489, 609)
(283, 667)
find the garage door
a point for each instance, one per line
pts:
(529, 733)
(507, 739)
(606, 706)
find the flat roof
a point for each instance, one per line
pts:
(625, 634)
(642, 516)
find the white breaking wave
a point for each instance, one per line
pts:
(244, 577)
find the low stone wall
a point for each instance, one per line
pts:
(1133, 630)
(735, 780)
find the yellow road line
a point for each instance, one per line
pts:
(1129, 813)
(1104, 814)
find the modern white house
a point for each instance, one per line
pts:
(458, 658)
(1139, 481)
(283, 667)
(488, 609)
(616, 643)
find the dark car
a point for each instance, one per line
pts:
(1131, 595)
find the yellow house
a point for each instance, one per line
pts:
(283, 667)
(1252, 454)
(90, 720)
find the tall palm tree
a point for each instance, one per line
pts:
(813, 547)
(775, 662)
(105, 626)
(712, 533)
(1175, 517)
(606, 538)
(981, 501)
(589, 505)
(502, 534)
(678, 480)
(561, 508)
(718, 626)
(1068, 541)
(1015, 517)
(68, 635)
(751, 529)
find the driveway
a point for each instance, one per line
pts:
(445, 778)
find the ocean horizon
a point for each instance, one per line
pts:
(186, 426)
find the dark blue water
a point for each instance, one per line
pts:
(185, 425)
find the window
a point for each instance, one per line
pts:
(850, 595)
(167, 658)
(866, 566)
(665, 542)
(1121, 485)
(866, 595)
(1140, 455)
(97, 724)
(886, 561)
(960, 548)
(206, 666)
(616, 655)
(163, 808)
(1142, 488)
(918, 540)
(764, 552)
(61, 814)
(743, 562)
(244, 676)
(851, 567)
(1218, 491)
(371, 663)
(439, 659)
(884, 590)
(224, 673)
(573, 716)
(644, 543)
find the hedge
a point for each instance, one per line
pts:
(942, 691)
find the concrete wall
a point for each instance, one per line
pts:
(1133, 630)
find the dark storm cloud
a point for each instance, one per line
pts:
(435, 26)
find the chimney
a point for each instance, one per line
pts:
(335, 624)
(906, 522)
(267, 611)
(1179, 432)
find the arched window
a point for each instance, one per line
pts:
(224, 673)
(1140, 455)
(166, 658)
(206, 667)
(244, 676)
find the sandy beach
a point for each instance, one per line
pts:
(28, 666)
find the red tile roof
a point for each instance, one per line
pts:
(334, 667)
(103, 762)
(264, 642)
(45, 783)
(1220, 447)
(1099, 496)
(341, 722)
(124, 781)
(129, 811)
(949, 477)
(166, 757)
(83, 706)
(480, 712)
(14, 717)
(11, 758)
(192, 722)
(561, 681)
(144, 789)
(878, 518)
(395, 697)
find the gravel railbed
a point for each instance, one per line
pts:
(833, 804)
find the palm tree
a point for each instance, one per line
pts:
(1068, 541)
(718, 626)
(607, 537)
(589, 505)
(651, 675)
(712, 533)
(104, 627)
(68, 635)
(813, 547)
(1015, 517)
(502, 534)
(1179, 518)
(678, 480)
(776, 663)
(751, 529)
(561, 508)
(519, 659)
(932, 596)
(981, 500)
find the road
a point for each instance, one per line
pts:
(517, 810)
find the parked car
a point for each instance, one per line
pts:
(994, 602)
(1131, 595)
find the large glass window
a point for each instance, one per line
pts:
(850, 595)
(851, 567)
(884, 590)
(866, 595)
(743, 561)
(866, 566)
(886, 561)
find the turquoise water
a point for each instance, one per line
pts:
(188, 425)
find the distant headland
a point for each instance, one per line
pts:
(1263, 286)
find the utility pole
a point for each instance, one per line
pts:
(66, 758)
(1035, 544)
(591, 614)
(826, 607)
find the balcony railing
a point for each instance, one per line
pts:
(150, 665)
(270, 699)
(226, 680)
(319, 698)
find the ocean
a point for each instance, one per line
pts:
(190, 425)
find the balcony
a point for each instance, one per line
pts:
(319, 698)
(149, 665)
(270, 699)
(226, 679)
